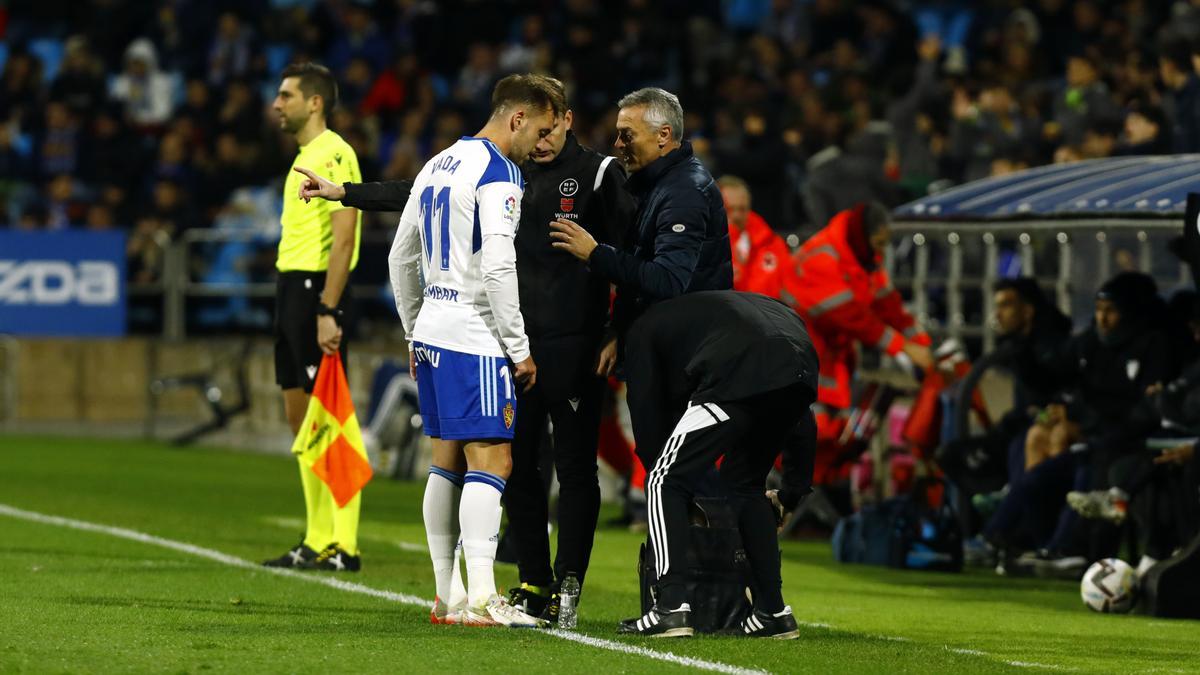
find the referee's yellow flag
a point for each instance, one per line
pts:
(330, 442)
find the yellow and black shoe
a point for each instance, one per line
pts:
(299, 556)
(529, 599)
(334, 559)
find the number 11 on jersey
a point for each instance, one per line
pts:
(438, 209)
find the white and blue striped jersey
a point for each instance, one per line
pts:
(462, 295)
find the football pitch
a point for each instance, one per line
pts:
(129, 556)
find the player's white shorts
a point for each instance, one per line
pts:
(464, 397)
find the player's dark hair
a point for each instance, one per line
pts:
(315, 80)
(529, 90)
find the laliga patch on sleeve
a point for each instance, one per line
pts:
(510, 207)
(678, 227)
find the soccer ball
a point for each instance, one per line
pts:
(1109, 585)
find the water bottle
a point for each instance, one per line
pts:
(568, 603)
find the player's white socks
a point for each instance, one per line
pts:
(440, 508)
(479, 516)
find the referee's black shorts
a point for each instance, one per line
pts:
(297, 354)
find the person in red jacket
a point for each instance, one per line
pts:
(845, 297)
(759, 255)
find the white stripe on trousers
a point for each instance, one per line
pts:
(694, 418)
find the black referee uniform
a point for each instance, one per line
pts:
(565, 306)
(721, 373)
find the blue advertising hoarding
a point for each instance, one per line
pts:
(62, 283)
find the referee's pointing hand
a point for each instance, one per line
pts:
(315, 186)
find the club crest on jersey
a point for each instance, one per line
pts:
(566, 204)
(568, 187)
(768, 261)
(509, 414)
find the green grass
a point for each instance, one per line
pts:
(73, 601)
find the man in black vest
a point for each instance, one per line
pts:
(566, 311)
(712, 373)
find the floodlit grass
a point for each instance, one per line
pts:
(74, 600)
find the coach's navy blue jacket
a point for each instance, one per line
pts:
(678, 242)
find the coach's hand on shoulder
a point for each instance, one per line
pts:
(329, 334)
(572, 238)
(315, 186)
(525, 373)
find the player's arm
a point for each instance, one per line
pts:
(404, 267)
(499, 207)
(344, 222)
(389, 195)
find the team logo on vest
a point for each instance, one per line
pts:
(567, 204)
(568, 187)
(768, 261)
(509, 414)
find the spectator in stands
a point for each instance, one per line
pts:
(58, 143)
(65, 205)
(80, 81)
(240, 112)
(760, 257)
(839, 180)
(147, 93)
(1145, 132)
(847, 299)
(1084, 101)
(19, 87)
(231, 51)
(1182, 99)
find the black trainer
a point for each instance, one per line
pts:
(528, 600)
(551, 612)
(781, 626)
(334, 559)
(299, 556)
(657, 623)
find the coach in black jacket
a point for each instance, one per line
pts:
(679, 241)
(712, 373)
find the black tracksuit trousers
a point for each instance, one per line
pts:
(575, 435)
(750, 433)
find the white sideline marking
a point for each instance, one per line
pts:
(956, 650)
(350, 587)
(298, 524)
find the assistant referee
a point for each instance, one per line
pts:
(317, 249)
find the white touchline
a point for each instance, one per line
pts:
(351, 587)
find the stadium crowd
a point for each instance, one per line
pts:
(150, 116)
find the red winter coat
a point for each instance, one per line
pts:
(843, 303)
(759, 257)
